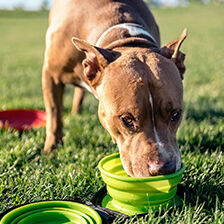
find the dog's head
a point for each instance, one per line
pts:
(140, 96)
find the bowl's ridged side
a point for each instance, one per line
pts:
(136, 194)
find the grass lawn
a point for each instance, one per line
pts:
(26, 175)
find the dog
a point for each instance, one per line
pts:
(112, 49)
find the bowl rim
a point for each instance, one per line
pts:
(48, 204)
(136, 179)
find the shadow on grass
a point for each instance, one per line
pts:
(208, 194)
(204, 113)
(202, 142)
(204, 108)
(203, 126)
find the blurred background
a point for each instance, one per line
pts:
(25, 4)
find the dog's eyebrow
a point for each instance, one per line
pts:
(133, 111)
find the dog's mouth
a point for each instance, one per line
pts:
(141, 164)
(162, 169)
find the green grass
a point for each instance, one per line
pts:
(26, 175)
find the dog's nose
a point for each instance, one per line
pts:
(162, 169)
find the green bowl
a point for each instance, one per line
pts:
(56, 212)
(136, 195)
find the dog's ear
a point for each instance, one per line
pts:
(96, 60)
(172, 50)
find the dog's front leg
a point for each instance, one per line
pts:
(53, 99)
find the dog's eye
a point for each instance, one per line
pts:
(128, 121)
(175, 116)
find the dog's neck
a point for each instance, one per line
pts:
(128, 34)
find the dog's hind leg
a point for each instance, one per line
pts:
(79, 94)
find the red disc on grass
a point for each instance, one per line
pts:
(21, 119)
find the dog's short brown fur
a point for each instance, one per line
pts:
(138, 84)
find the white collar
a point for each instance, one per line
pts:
(133, 29)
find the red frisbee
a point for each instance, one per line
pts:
(22, 119)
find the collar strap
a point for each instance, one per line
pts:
(133, 29)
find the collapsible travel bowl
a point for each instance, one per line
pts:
(56, 212)
(133, 195)
(21, 119)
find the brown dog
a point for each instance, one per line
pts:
(117, 56)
